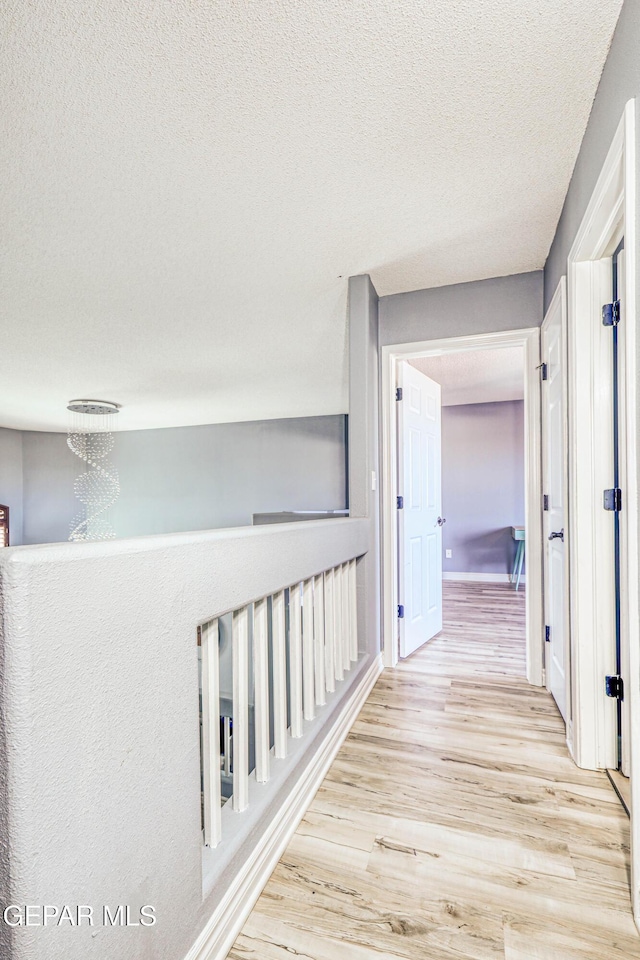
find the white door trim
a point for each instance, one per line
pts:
(529, 339)
(611, 212)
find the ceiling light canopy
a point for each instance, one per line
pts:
(94, 408)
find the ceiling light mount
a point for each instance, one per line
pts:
(94, 408)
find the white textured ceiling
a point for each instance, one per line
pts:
(476, 376)
(186, 185)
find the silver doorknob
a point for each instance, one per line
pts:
(441, 520)
(557, 535)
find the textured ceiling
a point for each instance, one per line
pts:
(476, 376)
(186, 185)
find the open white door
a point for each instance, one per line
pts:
(625, 666)
(554, 478)
(419, 509)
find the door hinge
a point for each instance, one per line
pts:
(399, 502)
(398, 393)
(547, 633)
(614, 687)
(612, 499)
(544, 371)
(545, 501)
(611, 314)
(400, 611)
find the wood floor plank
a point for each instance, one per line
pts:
(453, 823)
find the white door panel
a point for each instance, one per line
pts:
(554, 472)
(625, 732)
(419, 521)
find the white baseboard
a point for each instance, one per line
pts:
(482, 577)
(227, 920)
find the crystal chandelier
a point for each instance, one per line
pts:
(90, 436)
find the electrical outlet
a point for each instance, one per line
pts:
(448, 554)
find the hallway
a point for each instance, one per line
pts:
(453, 823)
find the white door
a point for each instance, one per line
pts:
(554, 474)
(419, 509)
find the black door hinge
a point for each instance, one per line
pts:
(399, 502)
(544, 371)
(400, 611)
(398, 393)
(612, 499)
(614, 687)
(545, 502)
(547, 633)
(611, 314)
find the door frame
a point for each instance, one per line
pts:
(611, 212)
(529, 340)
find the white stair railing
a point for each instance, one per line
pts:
(315, 622)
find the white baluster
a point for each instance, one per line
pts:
(318, 638)
(295, 660)
(211, 733)
(226, 750)
(261, 679)
(308, 653)
(353, 611)
(240, 739)
(330, 675)
(337, 623)
(279, 676)
(344, 649)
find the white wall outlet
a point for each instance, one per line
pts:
(448, 554)
(373, 480)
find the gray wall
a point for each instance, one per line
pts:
(364, 454)
(11, 480)
(482, 485)
(193, 478)
(482, 306)
(619, 83)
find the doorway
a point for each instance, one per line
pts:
(603, 477)
(528, 340)
(461, 479)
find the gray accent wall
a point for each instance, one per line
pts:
(193, 478)
(11, 480)
(482, 485)
(462, 309)
(364, 448)
(619, 83)
(482, 306)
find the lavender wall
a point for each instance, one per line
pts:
(482, 484)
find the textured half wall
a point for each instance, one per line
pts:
(482, 485)
(100, 744)
(11, 480)
(193, 478)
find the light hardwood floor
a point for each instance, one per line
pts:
(453, 823)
